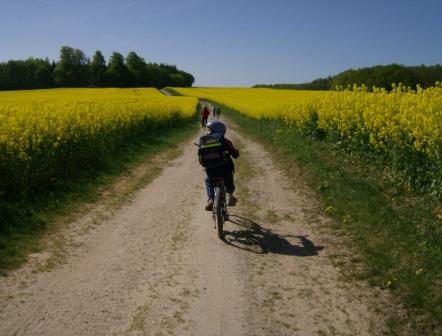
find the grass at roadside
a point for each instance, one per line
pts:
(399, 235)
(24, 223)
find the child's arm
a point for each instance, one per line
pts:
(232, 149)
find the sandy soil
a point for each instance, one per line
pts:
(156, 267)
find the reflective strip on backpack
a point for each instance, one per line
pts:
(211, 145)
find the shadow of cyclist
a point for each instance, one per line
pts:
(254, 238)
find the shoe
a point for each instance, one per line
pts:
(231, 200)
(209, 206)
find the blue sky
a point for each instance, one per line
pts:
(231, 42)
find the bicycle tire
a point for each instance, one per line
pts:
(219, 216)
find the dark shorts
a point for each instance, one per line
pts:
(228, 183)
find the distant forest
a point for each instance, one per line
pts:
(75, 69)
(380, 76)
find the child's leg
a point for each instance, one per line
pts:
(210, 188)
(228, 183)
(230, 188)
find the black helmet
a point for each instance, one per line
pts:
(217, 127)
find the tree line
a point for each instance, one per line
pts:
(317, 84)
(383, 76)
(75, 69)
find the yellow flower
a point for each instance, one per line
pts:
(328, 210)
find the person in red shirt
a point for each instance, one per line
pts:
(204, 116)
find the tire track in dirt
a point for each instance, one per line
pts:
(156, 266)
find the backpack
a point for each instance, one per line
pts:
(211, 151)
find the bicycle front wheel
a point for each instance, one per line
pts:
(218, 209)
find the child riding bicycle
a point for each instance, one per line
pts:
(215, 154)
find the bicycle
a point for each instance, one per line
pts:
(220, 211)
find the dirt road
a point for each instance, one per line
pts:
(156, 267)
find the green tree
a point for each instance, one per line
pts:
(138, 68)
(72, 69)
(164, 76)
(75, 70)
(16, 75)
(97, 70)
(42, 76)
(153, 74)
(188, 78)
(177, 80)
(3, 82)
(117, 73)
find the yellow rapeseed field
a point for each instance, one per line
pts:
(45, 133)
(404, 124)
(256, 103)
(400, 117)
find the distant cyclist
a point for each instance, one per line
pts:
(215, 154)
(204, 116)
(217, 112)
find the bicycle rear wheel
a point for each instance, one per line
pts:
(218, 209)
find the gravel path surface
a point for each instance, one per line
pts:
(155, 266)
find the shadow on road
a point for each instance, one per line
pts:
(254, 238)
